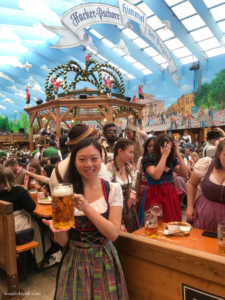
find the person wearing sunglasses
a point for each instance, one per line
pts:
(110, 134)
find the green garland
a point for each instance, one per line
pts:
(82, 75)
(127, 109)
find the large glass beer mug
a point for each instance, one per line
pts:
(62, 206)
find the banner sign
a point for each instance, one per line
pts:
(190, 293)
(76, 19)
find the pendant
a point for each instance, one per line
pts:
(121, 173)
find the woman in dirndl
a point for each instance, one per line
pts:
(90, 267)
(159, 169)
(120, 171)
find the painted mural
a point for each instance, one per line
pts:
(191, 110)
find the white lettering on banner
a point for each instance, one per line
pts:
(79, 17)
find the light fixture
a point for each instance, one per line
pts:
(108, 43)
(130, 76)
(132, 35)
(129, 58)
(139, 66)
(140, 42)
(94, 32)
(72, 120)
(119, 51)
(105, 120)
(43, 118)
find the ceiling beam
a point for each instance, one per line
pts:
(207, 17)
(135, 51)
(163, 12)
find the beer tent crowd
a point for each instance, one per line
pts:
(115, 179)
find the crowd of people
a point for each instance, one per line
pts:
(116, 178)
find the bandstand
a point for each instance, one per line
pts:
(79, 105)
(70, 108)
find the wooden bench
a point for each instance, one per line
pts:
(8, 250)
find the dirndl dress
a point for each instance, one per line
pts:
(143, 185)
(161, 192)
(210, 206)
(90, 268)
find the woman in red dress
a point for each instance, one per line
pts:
(159, 169)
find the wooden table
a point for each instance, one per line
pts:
(43, 210)
(161, 268)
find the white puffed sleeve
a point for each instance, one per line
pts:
(202, 166)
(139, 164)
(115, 195)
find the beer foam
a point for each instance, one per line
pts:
(63, 191)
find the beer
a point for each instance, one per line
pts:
(160, 221)
(221, 248)
(34, 195)
(151, 231)
(158, 209)
(62, 206)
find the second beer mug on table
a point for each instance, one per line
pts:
(62, 206)
(158, 209)
(151, 224)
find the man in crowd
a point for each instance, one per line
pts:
(186, 137)
(4, 152)
(51, 150)
(151, 134)
(36, 150)
(77, 133)
(55, 160)
(17, 170)
(187, 154)
(111, 135)
(37, 156)
(212, 137)
(62, 142)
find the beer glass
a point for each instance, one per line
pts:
(62, 206)
(151, 224)
(158, 209)
(221, 237)
(34, 195)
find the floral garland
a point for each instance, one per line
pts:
(127, 109)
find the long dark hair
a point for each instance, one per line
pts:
(48, 169)
(218, 164)
(159, 142)
(146, 145)
(72, 175)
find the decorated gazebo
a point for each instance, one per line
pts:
(84, 104)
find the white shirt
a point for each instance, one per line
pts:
(187, 137)
(150, 135)
(201, 169)
(209, 150)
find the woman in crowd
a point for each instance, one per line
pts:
(31, 183)
(193, 160)
(133, 135)
(210, 206)
(44, 178)
(141, 180)
(90, 267)
(120, 172)
(23, 205)
(159, 169)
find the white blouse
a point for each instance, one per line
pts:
(201, 169)
(139, 166)
(132, 178)
(100, 205)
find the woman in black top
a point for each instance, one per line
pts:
(16, 195)
(23, 205)
(159, 169)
